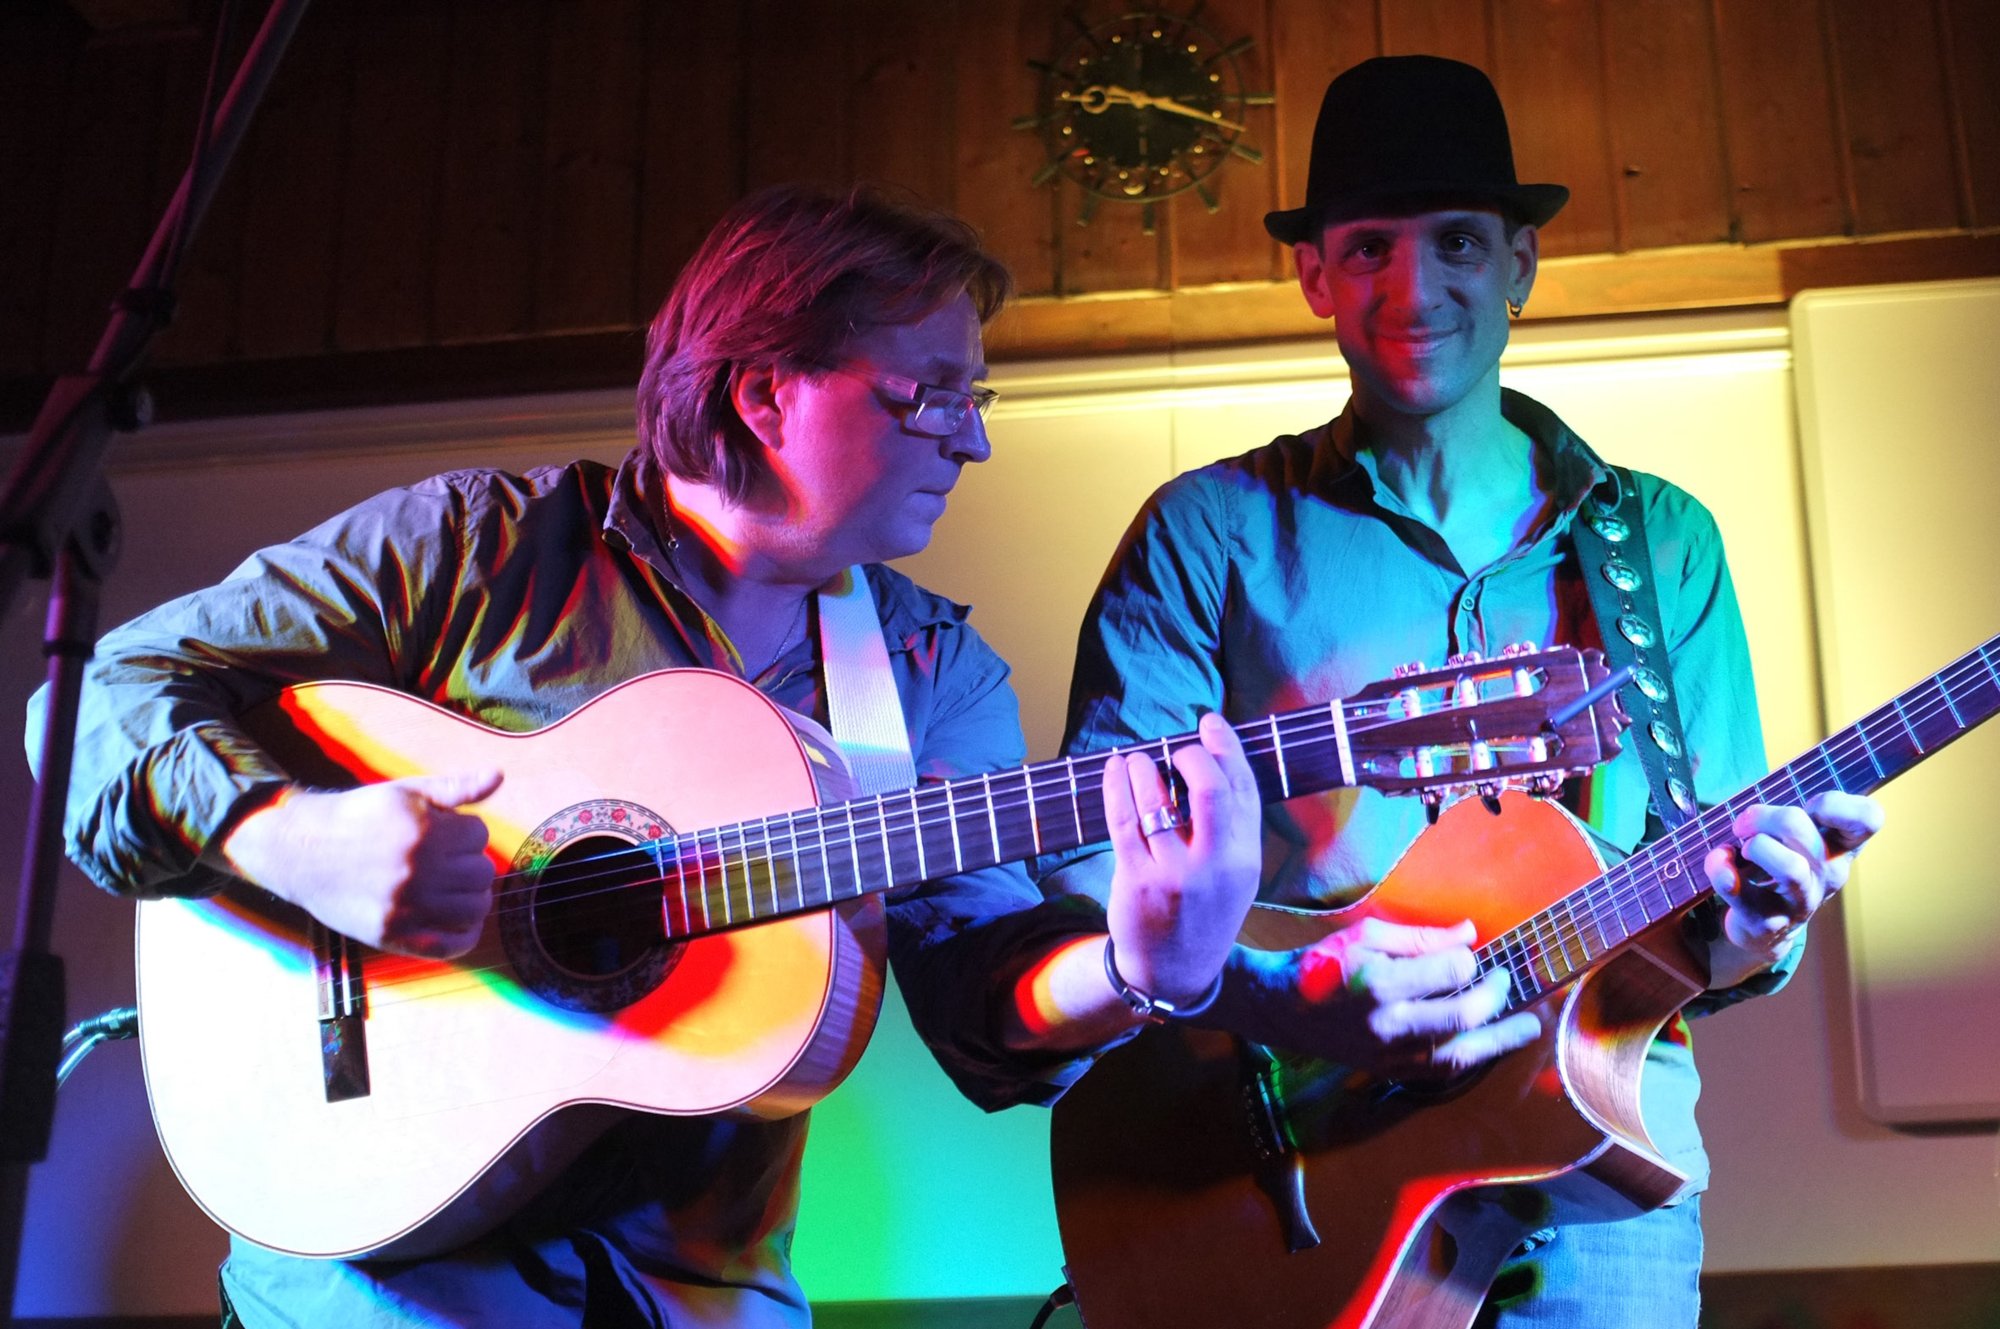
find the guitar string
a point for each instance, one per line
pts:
(813, 830)
(1623, 883)
(1519, 943)
(929, 808)
(1630, 881)
(870, 819)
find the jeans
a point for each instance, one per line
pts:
(1641, 1273)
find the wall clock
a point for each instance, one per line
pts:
(1142, 107)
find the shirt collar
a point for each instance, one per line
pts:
(1575, 469)
(632, 524)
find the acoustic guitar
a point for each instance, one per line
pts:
(687, 920)
(1203, 1181)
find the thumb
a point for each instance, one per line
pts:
(453, 789)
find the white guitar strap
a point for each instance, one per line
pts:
(862, 707)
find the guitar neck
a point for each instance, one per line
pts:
(1664, 877)
(754, 871)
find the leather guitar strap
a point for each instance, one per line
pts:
(1611, 547)
(862, 707)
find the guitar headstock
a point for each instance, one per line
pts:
(1523, 720)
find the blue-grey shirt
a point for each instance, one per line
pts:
(514, 600)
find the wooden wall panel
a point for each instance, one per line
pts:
(692, 137)
(587, 251)
(502, 173)
(1229, 244)
(1788, 170)
(287, 213)
(105, 192)
(1457, 29)
(37, 53)
(389, 193)
(1548, 65)
(899, 96)
(1899, 140)
(1670, 171)
(795, 63)
(1112, 252)
(1312, 42)
(205, 319)
(993, 86)
(490, 193)
(1972, 33)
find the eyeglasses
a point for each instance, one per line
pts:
(930, 410)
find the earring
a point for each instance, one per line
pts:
(1514, 307)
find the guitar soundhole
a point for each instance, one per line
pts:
(590, 918)
(584, 930)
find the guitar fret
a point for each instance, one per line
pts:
(1278, 750)
(1337, 713)
(951, 818)
(992, 817)
(685, 922)
(798, 868)
(1075, 806)
(1979, 691)
(707, 911)
(888, 857)
(1540, 955)
(827, 863)
(1034, 820)
(1908, 728)
(854, 848)
(771, 864)
(917, 834)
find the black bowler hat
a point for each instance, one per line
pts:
(1402, 130)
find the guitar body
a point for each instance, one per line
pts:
(1173, 1216)
(455, 1089)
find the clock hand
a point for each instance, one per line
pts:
(1100, 97)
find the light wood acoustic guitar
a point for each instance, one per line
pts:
(687, 920)
(1203, 1181)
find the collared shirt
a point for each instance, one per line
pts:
(1291, 575)
(514, 600)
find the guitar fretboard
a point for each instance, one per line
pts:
(1533, 713)
(793, 862)
(1662, 878)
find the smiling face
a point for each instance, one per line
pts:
(856, 484)
(1419, 305)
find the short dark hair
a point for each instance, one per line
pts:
(785, 278)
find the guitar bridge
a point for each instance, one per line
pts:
(1280, 1167)
(343, 1012)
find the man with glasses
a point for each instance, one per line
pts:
(810, 396)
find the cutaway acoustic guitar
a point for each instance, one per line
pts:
(1202, 1181)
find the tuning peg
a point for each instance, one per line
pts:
(1518, 648)
(1464, 658)
(1407, 670)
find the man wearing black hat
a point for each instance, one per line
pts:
(1434, 516)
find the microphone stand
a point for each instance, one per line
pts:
(58, 520)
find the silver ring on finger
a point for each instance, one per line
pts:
(1162, 818)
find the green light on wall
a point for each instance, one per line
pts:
(912, 1192)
